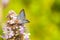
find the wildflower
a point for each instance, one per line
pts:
(11, 22)
(11, 34)
(5, 36)
(21, 29)
(5, 3)
(12, 15)
(14, 29)
(26, 36)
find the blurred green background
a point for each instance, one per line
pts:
(44, 16)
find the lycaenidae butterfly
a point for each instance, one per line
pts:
(22, 17)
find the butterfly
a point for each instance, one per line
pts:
(22, 17)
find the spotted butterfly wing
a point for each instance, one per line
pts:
(22, 17)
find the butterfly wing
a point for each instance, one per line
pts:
(22, 17)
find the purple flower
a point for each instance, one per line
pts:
(4, 29)
(26, 36)
(5, 1)
(5, 36)
(21, 29)
(10, 34)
